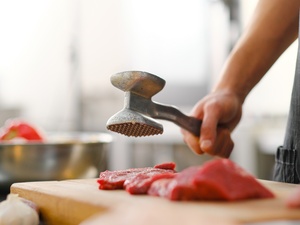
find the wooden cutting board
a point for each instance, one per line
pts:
(73, 202)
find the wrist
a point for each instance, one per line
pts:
(231, 92)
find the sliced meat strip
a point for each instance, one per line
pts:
(160, 187)
(180, 187)
(110, 180)
(166, 166)
(142, 182)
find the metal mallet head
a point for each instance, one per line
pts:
(130, 122)
(135, 119)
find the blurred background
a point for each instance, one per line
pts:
(56, 59)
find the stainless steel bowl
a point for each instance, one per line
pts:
(62, 156)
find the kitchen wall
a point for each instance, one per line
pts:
(57, 56)
(169, 38)
(36, 74)
(60, 54)
(272, 94)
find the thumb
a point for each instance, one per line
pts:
(208, 132)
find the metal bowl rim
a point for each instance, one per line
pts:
(72, 139)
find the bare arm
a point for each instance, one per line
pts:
(273, 28)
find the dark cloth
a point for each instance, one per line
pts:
(285, 166)
(287, 160)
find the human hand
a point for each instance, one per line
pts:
(220, 112)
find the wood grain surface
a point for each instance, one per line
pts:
(73, 202)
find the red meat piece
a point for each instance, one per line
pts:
(225, 180)
(160, 187)
(15, 128)
(109, 180)
(215, 180)
(142, 182)
(179, 188)
(166, 166)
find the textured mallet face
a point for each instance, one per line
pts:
(135, 129)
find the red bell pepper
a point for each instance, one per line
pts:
(20, 129)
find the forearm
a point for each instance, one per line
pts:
(273, 28)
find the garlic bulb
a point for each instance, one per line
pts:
(14, 211)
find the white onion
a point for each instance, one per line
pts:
(14, 211)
